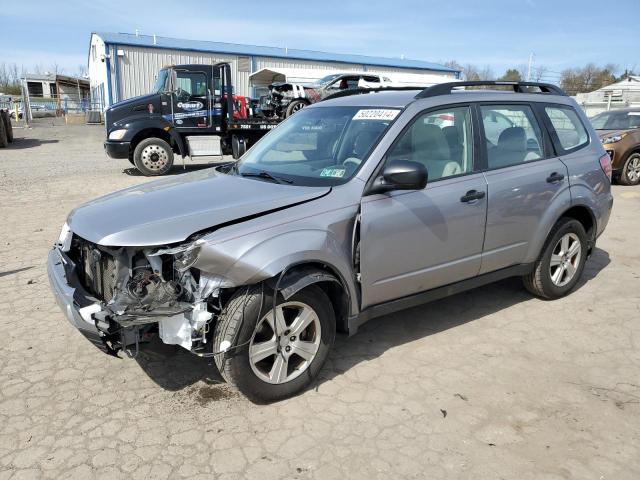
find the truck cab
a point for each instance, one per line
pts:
(190, 112)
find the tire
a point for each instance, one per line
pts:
(294, 106)
(238, 146)
(153, 156)
(244, 322)
(4, 142)
(551, 284)
(8, 128)
(630, 173)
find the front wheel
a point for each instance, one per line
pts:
(294, 106)
(630, 174)
(153, 156)
(274, 359)
(560, 265)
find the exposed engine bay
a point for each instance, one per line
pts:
(143, 291)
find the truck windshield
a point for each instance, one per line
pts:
(161, 81)
(317, 146)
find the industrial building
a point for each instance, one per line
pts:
(124, 65)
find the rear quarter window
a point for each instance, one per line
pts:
(570, 132)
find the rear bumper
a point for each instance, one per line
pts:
(117, 149)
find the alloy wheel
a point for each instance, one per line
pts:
(279, 358)
(565, 259)
(154, 157)
(633, 170)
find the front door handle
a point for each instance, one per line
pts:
(472, 195)
(555, 177)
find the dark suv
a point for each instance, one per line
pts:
(353, 208)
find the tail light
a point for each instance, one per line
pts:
(605, 164)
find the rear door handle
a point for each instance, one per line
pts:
(472, 195)
(555, 177)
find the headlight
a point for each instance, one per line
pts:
(64, 240)
(183, 255)
(117, 134)
(612, 139)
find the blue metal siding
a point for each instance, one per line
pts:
(107, 62)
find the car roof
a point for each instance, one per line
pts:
(621, 110)
(402, 98)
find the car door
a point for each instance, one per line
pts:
(190, 99)
(412, 241)
(524, 178)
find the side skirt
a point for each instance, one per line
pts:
(421, 298)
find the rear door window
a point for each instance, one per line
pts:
(512, 135)
(569, 130)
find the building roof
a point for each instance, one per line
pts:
(154, 41)
(50, 77)
(632, 82)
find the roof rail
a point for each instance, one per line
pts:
(518, 87)
(360, 90)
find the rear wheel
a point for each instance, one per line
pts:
(630, 174)
(153, 156)
(274, 359)
(560, 265)
(7, 125)
(294, 106)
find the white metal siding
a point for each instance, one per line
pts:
(269, 62)
(139, 66)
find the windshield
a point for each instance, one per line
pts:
(317, 146)
(161, 81)
(616, 120)
(327, 79)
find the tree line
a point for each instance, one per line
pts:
(572, 80)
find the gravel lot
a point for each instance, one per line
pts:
(485, 385)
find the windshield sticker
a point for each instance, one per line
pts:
(333, 172)
(376, 114)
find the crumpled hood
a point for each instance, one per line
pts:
(170, 210)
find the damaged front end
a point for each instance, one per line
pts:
(274, 105)
(136, 293)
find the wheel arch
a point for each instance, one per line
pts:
(300, 275)
(170, 137)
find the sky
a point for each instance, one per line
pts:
(496, 33)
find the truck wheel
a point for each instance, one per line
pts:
(630, 174)
(266, 367)
(3, 134)
(7, 125)
(238, 146)
(153, 156)
(294, 106)
(560, 265)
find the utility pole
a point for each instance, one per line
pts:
(530, 65)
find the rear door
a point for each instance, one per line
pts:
(412, 241)
(524, 178)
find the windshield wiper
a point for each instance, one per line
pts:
(267, 176)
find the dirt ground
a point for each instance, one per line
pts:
(485, 385)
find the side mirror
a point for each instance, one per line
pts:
(401, 175)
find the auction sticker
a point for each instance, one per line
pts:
(376, 114)
(333, 172)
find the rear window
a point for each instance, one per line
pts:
(569, 129)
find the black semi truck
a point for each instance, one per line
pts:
(191, 111)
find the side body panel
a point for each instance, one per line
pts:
(418, 240)
(252, 251)
(522, 204)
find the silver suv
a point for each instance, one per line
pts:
(352, 208)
